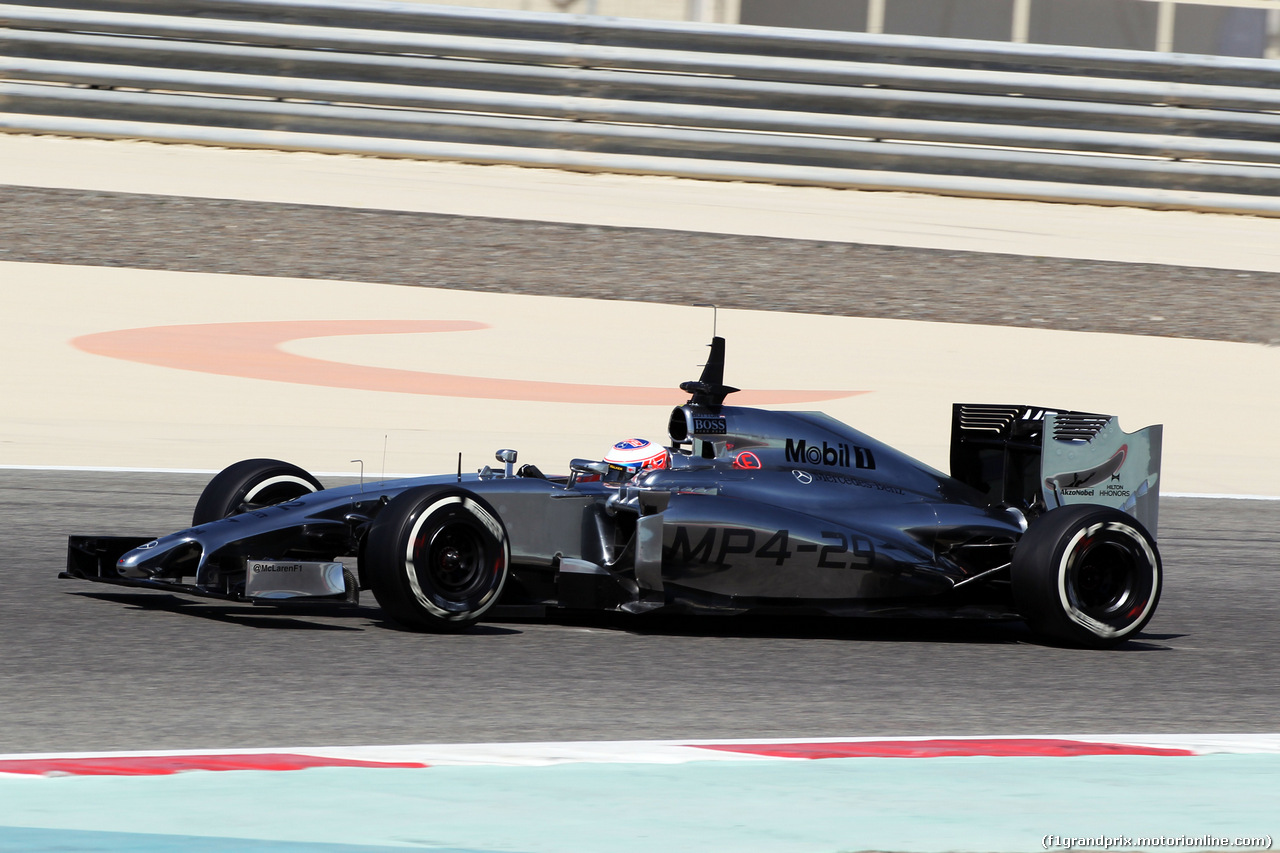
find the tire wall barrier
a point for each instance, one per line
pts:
(697, 100)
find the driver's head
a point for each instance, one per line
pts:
(631, 456)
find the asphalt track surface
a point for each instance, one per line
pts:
(95, 667)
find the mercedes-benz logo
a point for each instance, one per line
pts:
(803, 476)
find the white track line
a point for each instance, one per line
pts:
(120, 470)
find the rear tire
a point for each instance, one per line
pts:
(437, 558)
(249, 485)
(1089, 575)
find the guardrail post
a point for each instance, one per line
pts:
(875, 16)
(1020, 31)
(1273, 34)
(1164, 26)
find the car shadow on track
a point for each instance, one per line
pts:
(296, 617)
(237, 614)
(873, 630)
(484, 628)
(953, 631)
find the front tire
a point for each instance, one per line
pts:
(249, 485)
(1089, 575)
(437, 558)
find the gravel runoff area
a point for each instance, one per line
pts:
(759, 273)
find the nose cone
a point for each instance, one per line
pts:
(148, 560)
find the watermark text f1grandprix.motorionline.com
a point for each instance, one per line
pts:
(1122, 842)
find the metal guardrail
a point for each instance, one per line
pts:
(744, 103)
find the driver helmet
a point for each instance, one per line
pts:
(631, 456)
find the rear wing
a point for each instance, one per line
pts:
(1040, 459)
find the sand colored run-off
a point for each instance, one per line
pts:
(66, 405)
(550, 195)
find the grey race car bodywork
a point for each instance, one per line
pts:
(757, 510)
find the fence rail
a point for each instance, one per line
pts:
(725, 102)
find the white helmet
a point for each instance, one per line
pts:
(630, 456)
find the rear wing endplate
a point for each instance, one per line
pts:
(1088, 459)
(1037, 458)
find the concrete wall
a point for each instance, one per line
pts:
(711, 11)
(1208, 29)
(1092, 23)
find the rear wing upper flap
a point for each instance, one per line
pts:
(1041, 458)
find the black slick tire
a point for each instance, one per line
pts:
(437, 558)
(249, 485)
(1087, 575)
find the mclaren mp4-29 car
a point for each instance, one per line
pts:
(1048, 516)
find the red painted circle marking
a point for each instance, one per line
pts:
(253, 351)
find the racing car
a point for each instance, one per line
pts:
(1048, 516)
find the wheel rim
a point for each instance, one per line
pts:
(1109, 579)
(452, 560)
(456, 558)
